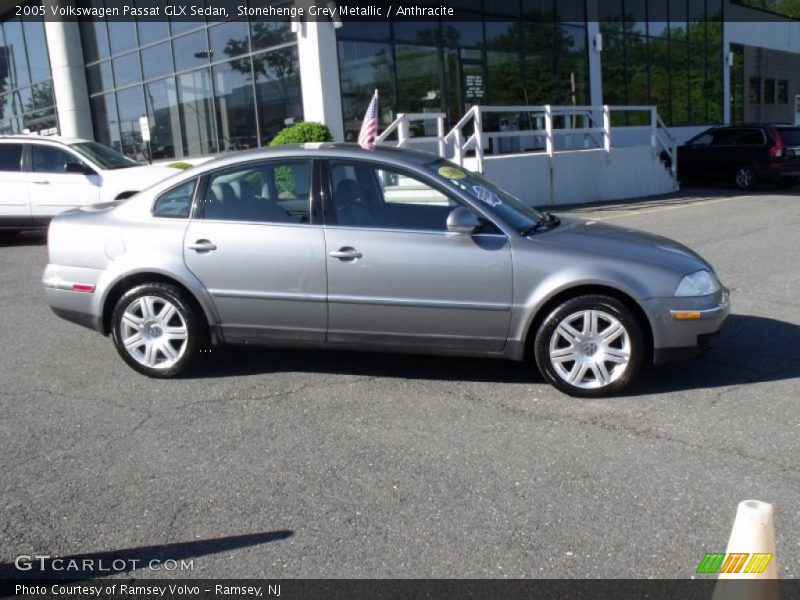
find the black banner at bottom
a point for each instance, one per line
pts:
(403, 589)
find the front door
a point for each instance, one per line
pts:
(15, 209)
(52, 190)
(398, 279)
(256, 249)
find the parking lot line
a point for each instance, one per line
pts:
(703, 202)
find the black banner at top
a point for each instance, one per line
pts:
(400, 10)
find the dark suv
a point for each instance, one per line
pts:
(744, 154)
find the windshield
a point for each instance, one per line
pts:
(105, 157)
(499, 202)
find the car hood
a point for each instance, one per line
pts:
(144, 174)
(621, 242)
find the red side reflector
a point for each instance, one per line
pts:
(82, 287)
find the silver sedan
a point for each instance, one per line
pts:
(337, 247)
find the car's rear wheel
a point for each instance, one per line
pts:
(590, 346)
(156, 330)
(745, 176)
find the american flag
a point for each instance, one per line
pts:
(369, 128)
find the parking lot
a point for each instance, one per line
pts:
(276, 463)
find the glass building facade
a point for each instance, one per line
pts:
(205, 87)
(666, 53)
(498, 58)
(26, 85)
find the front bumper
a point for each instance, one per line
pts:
(684, 327)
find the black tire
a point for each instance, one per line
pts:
(160, 363)
(745, 176)
(630, 342)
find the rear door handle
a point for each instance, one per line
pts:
(202, 246)
(345, 253)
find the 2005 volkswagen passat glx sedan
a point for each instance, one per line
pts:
(338, 247)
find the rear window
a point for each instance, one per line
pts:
(790, 137)
(10, 157)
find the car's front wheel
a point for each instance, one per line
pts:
(156, 331)
(590, 346)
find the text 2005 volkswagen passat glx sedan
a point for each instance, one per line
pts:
(337, 247)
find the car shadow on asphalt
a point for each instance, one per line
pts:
(750, 349)
(131, 559)
(25, 238)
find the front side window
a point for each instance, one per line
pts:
(106, 157)
(367, 196)
(47, 159)
(175, 203)
(10, 157)
(268, 192)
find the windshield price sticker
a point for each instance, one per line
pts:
(486, 195)
(451, 173)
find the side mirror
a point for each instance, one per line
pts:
(462, 221)
(77, 168)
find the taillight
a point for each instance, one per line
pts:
(776, 152)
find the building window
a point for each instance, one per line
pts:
(206, 87)
(667, 54)
(783, 91)
(769, 91)
(755, 90)
(26, 85)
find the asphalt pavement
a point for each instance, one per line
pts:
(278, 463)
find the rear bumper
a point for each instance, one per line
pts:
(779, 171)
(78, 307)
(676, 337)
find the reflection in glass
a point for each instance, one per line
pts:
(195, 97)
(126, 69)
(165, 123)
(121, 36)
(191, 51)
(17, 75)
(99, 78)
(130, 104)
(363, 68)
(104, 119)
(157, 61)
(419, 79)
(277, 90)
(36, 48)
(235, 106)
(229, 40)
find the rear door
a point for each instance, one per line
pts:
(15, 210)
(52, 189)
(255, 244)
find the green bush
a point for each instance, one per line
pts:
(302, 133)
(180, 165)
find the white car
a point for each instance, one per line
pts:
(43, 176)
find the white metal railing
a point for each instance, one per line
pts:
(402, 127)
(548, 125)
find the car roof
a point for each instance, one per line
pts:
(42, 138)
(324, 150)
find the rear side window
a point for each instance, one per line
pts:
(177, 202)
(790, 136)
(277, 191)
(11, 157)
(750, 137)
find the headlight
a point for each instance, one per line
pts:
(701, 283)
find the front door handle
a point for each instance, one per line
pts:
(202, 246)
(44, 182)
(346, 253)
